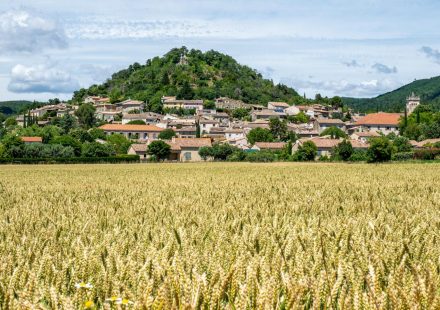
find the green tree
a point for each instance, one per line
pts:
(306, 152)
(380, 150)
(86, 115)
(259, 135)
(343, 150)
(67, 123)
(334, 133)
(278, 128)
(186, 92)
(336, 102)
(167, 134)
(240, 113)
(300, 118)
(10, 121)
(120, 143)
(82, 135)
(209, 105)
(68, 141)
(95, 149)
(205, 152)
(402, 144)
(222, 151)
(159, 149)
(97, 133)
(137, 122)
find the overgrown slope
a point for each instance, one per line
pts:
(190, 75)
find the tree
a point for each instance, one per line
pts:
(137, 122)
(82, 135)
(10, 121)
(343, 150)
(222, 151)
(198, 131)
(86, 115)
(186, 92)
(209, 105)
(167, 134)
(120, 143)
(278, 128)
(259, 135)
(96, 149)
(67, 123)
(205, 152)
(306, 152)
(240, 113)
(300, 118)
(159, 149)
(68, 141)
(402, 144)
(380, 150)
(97, 133)
(336, 102)
(334, 133)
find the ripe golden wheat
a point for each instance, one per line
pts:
(220, 236)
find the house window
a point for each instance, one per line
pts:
(187, 156)
(388, 128)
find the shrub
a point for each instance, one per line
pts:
(402, 156)
(159, 149)
(261, 156)
(359, 155)
(96, 149)
(343, 150)
(306, 152)
(167, 134)
(427, 154)
(380, 150)
(238, 155)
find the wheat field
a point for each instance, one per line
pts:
(220, 236)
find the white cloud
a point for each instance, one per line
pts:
(43, 78)
(27, 31)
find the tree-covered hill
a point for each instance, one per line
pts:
(15, 107)
(427, 89)
(190, 74)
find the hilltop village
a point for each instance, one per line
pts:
(192, 127)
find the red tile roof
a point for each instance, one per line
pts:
(270, 145)
(32, 139)
(179, 143)
(380, 118)
(130, 128)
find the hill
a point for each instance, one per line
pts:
(15, 107)
(427, 89)
(190, 75)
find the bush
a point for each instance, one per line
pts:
(159, 149)
(343, 150)
(402, 156)
(97, 133)
(72, 160)
(167, 134)
(238, 155)
(359, 155)
(96, 149)
(306, 152)
(261, 156)
(137, 122)
(428, 154)
(380, 150)
(70, 141)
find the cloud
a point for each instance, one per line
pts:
(352, 63)
(27, 31)
(431, 53)
(368, 88)
(44, 78)
(381, 68)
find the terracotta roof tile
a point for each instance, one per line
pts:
(380, 118)
(270, 145)
(130, 128)
(32, 139)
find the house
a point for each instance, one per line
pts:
(267, 114)
(364, 136)
(326, 145)
(383, 122)
(207, 124)
(173, 103)
(96, 100)
(131, 105)
(186, 132)
(108, 116)
(412, 102)
(149, 118)
(278, 106)
(260, 123)
(425, 143)
(30, 140)
(241, 143)
(322, 124)
(292, 110)
(226, 103)
(187, 149)
(234, 133)
(139, 149)
(269, 146)
(141, 132)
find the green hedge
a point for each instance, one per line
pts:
(402, 156)
(428, 154)
(72, 160)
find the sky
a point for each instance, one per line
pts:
(362, 48)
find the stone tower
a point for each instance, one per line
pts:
(412, 102)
